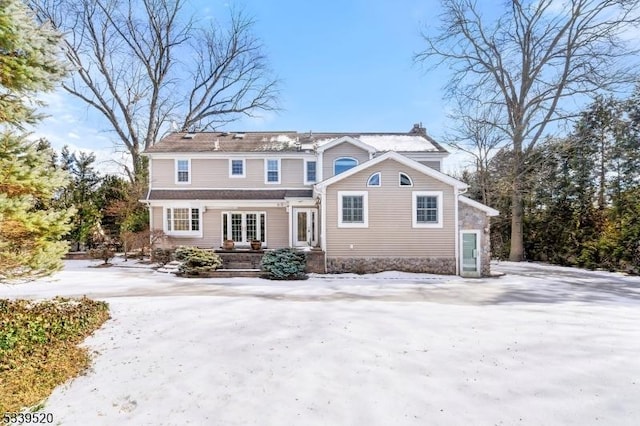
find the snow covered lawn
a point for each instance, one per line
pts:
(541, 345)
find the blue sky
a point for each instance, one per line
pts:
(344, 66)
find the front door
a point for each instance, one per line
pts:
(305, 227)
(470, 253)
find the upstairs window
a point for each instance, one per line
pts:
(405, 180)
(343, 164)
(374, 180)
(310, 172)
(183, 171)
(272, 171)
(237, 168)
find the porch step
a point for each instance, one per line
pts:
(239, 265)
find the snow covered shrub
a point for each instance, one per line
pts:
(284, 264)
(104, 252)
(196, 260)
(161, 255)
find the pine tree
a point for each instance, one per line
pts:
(31, 225)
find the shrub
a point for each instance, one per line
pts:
(284, 264)
(161, 256)
(104, 252)
(38, 346)
(196, 260)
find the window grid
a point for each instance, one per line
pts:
(183, 170)
(427, 209)
(237, 168)
(311, 171)
(352, 209)
(273, 172)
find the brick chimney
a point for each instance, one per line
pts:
(418, 130)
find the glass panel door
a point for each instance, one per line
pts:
(469, 252)
(301, 235)
(305, 227)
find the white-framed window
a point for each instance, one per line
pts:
(183, 221)
(375, 179)
(343, 164)
(310, 172)
(183, 170)
(243, 227)
(237, 168)
(353, 209)
(427, 209)
(404, 179)
(272, 170)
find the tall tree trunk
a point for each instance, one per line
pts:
(516, 252)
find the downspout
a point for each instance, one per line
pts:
(323, 223)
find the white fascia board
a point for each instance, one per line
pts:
(402, 160)
(219, 204)
(488, 210)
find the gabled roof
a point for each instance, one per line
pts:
(391, 155)
(416, 140)
(330, 143)
(488, 210)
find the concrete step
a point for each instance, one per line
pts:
(231, 273)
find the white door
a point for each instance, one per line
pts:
(470, 253)
(305, 227)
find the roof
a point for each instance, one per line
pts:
(401, 159)
(416, 140)
(488, 210)
(225, 194)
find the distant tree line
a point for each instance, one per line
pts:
(582, 192)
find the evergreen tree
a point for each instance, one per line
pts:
(31, 225)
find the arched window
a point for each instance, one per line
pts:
(374, 180)
(343, 164)
(405, 180)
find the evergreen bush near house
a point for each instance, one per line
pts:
(195, 260)
(284, 264)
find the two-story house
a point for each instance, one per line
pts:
(370, 201)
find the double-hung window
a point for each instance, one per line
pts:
(183, 171)
(353, 209)
(427, 209)
(237, 168)
(272, 170)
(182, 221)
(310, 175)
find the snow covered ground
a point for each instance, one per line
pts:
(541, 345)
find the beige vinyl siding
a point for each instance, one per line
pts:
(214, 173)
(344, 149)
(277, 227)
(433, 164)
(390, 231)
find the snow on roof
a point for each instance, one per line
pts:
(390, 142)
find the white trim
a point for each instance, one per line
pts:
(414, 205)
(220, 204)
(225, 155)
(323, 222)
(365, 209)
(175, 173)
(183, 234)
(344, 158)
(304, 171)
(402, 160)
(244, 168)
(311, 226)
(456, 230)
(488, 210)
(347, 139)
(266, 171)
(400, 180)
(478, 271)
(217, 188)
(379, 180)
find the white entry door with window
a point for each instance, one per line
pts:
(305, 227)
(470, 253)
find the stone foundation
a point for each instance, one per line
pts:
(368, 265)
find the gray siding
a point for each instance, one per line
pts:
(344, 149)
(433, 164)
(214, 173)
(390, 231)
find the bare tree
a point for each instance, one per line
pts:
(528, 62)
(143, 64)
(473, 133)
